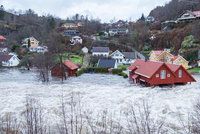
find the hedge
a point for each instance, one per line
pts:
(102, 71)
(80, 71)
(116, 71)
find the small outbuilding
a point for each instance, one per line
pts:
(67, 68)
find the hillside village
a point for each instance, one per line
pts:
(84, 75)
(82, 44)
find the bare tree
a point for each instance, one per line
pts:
(139, 120)
(9, 124)
(43, 62)
(34, 118)
(71, 115)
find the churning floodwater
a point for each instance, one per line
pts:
(98, 92)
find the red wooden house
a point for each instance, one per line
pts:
(67, 68)
(153, 73)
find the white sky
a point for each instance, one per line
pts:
(102, 9)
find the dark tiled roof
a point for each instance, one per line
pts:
(106, 63)
(100, 49)
(129, 55)
(5, 57)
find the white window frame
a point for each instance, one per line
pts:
(180, 73)
(163, 74)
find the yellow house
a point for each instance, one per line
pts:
(179, 60)
(166, 56)
(33, 42)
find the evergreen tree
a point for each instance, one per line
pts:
(142, 18)
(2, 12)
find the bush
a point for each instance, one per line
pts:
(123, 75)
(81, 71)
(123, 67)
(116, 71)
(101, 70)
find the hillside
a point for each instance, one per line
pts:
(174, 9)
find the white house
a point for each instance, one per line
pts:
(3, 49)
(85, 50)
(189, 16)
(126, 57)
(76, 40)
(9, 60)
(118, 56)
(39, 49)
(118, 31)
(150, 19)
(100, 51)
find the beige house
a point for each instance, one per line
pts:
(70, 25)
(166, 56)
(34, 43)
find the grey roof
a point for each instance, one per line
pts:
(100, 49)
(129, 55)
(106, 63)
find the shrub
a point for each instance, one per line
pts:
(116, 71)
(123, 67)
(123, 75)
(81, 71)
(101, 70)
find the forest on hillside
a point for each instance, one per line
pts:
(174, 9)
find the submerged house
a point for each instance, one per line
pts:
(151, 73)
(65, 69)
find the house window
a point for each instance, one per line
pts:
(180, 73)
(157, 75)
(163, 74)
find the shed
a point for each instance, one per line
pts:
(67, 68)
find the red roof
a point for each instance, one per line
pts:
(70, 65)
(173, 67)
(148, 68)
(2, 38)
(132, 68)
(134, 76)
(196, 13)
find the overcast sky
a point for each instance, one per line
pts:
(102, 9)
